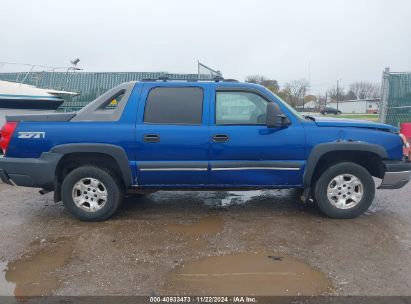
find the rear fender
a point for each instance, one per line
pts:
(116, 152)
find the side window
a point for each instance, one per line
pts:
(240, 108)
(182, 106)
(113, 104)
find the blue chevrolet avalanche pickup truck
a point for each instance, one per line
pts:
(216, 135)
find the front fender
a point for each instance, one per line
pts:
(321, 149)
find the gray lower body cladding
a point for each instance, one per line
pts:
(30, 172)
(40, 172)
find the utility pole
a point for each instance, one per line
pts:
(309, 84)
(337, 92)
(309, 79)
(303, 104)
(337, 95)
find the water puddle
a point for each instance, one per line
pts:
(240, 197)
(6, 288)
(234, 198)
(32, 274)
(205, 226)
(248, 274)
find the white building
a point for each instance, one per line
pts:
(360, 106)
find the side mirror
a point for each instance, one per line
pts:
(275, 117)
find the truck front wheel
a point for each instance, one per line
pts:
(345, 190)
(91, 193)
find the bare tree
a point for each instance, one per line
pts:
(270, 84)
(322, 100)
(350, 95)
(258, 79)
(365, 90)
(334, 95)
(295, 92)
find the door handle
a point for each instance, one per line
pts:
(220, 138)
(151, 138)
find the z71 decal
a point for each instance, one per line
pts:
(34, 135)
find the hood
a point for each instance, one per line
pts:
(353, 123)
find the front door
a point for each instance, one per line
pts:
(172, 136)
(244, 152)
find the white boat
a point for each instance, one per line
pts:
(18, 98)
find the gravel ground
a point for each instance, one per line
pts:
(184, 242)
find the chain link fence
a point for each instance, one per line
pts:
(396, 98)
(88, 85)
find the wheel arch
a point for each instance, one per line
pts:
(357, 152)
(110, 156)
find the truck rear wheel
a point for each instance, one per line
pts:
(91, 193)
(345, 190)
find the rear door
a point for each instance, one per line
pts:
(173, 135)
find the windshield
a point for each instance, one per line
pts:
(294, 111)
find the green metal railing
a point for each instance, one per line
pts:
(396, 98)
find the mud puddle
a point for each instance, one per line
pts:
(6, 288)
(208, 225)
(240, 197)
(248, 274)
(33, 273)
(217, 200)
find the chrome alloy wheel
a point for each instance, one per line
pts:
(345, 191)
(89, 194)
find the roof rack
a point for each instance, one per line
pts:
(165, 79)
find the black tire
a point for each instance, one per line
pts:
(115, 193)
(325, 179)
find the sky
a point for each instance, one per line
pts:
(350, 40)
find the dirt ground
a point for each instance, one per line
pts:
(205, 243)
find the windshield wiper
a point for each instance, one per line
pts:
(309, 117)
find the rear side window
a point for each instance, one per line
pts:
(182, 106)
(114, 102)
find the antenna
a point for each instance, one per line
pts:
(205, 70)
